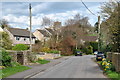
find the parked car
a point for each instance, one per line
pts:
(78, 53)
(95, 53)
(99, 56)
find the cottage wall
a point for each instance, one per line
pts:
(38, 35)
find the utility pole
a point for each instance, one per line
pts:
(99, 44)
(30, 28)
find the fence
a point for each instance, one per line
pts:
(115, 59)
(109, 56)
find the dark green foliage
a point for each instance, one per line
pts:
(75, 50)
(87, 50)
(94, 45)
(20, 47)
(6, 58)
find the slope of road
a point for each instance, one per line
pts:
(74, 67)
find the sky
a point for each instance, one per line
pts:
(17, 13)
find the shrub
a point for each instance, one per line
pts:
(75, 50)
(45, 49)
(87, 50)
(94, 45)
(37, 47)
(53, 51)
(6, 58)
(107, 65)
(19, 47)
(90, 50)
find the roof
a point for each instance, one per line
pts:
(90, 38)
(20, 32)
(44, 32)
(50, 30)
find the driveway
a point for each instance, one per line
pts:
(74, 67)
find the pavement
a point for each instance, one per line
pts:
(74, 67)
(37, 68)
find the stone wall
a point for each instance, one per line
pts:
(48, 56)
(20, 56)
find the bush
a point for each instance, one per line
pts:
(90, 50)
(75, 50)
(6, 58)
(19, 47)
(107, 65)
(45, 49)
(94, 45)
(53, 51)
(87, 50)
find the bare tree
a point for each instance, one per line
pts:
(4, 24)
(46, 21)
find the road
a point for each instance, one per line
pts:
(74, 67)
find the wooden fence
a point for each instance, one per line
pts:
(114, 57)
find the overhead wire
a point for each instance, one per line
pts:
(88, 8)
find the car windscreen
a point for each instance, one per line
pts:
(100, 52)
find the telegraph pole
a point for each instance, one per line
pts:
(99, 44)
(30, 15)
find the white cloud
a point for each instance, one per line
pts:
(16, 19)
(40, 7)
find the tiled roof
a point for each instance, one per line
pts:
(44, 32)
(20, 32)
(50, 30)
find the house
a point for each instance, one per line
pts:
(46, 33)
(41, 35)
(20, 36)
(50, 31)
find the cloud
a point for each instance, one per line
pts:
(17, 14)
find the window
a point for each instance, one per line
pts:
(18, 38)
(24, 39)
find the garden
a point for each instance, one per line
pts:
(9, 67)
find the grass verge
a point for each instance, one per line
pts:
(43, 61)
(113, 75)
(110, 74)
(12, 70)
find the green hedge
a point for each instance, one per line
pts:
(6, 58)
(94, 45)
(19, 47)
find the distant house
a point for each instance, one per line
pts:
(50, 31)
(20, 36)
(41, 35)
